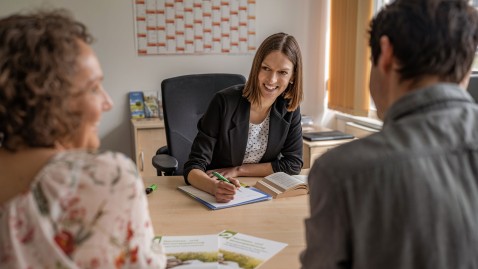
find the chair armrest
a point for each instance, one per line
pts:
(162, 150)
(165, 164)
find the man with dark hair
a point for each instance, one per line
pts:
(407, 196)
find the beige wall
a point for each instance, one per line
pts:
(111, 22)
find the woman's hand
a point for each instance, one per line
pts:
(224, 192)
(229, 172)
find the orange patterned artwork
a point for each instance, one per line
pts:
(195, 26)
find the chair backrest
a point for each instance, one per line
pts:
(185, 99)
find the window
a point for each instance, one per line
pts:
(378, 4)
(349, 66)
(474, 67)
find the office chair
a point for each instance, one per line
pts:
(185, 99)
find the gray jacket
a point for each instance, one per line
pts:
(405, 197)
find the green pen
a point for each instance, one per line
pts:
(221, 177)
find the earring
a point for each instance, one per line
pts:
(291, 82)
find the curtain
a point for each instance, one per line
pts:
(349, 64)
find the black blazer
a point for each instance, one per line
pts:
(223, 130)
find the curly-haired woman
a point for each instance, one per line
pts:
(62, 204)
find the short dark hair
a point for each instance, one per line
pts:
(429, 37)
(289, 47)
(38, 57)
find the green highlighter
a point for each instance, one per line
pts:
(151, 188)
(221, 177)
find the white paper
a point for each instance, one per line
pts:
(242, 195)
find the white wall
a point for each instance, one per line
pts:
(111, 22)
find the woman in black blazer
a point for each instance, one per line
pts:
(252, 129)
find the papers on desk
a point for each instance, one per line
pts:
(245, 251)
(195, 251)
(243, 196)
(225, 250)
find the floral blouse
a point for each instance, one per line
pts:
(83, 210)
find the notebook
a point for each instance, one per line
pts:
(243, 196)
(326, 135)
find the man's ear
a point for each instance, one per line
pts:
(385, 59)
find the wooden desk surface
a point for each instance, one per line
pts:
(175, 213)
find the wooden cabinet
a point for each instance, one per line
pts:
(312, 150)
(148, 136)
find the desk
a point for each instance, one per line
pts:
(175, 213)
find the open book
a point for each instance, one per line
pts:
(243, 196)
(281, 184)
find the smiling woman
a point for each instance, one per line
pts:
(62, 204)
(90, 99)
(252, 129)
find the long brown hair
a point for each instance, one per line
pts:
(289, 47)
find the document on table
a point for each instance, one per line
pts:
(243, 196)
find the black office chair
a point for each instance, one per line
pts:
(185, 99)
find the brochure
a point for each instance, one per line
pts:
(244, 251)
(152, 104)
(226, 250)
(196, 251)
(136, 105)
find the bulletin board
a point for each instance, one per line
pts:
(195, 26)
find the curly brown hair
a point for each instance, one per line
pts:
(38, 56)
(288, 46)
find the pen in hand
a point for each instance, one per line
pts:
(221, 177)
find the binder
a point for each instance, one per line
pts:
(326, 135)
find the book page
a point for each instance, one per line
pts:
(303, 178)
(284, 180)
(245, 251)
(242, 195)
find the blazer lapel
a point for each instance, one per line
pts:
(239, 132)
(278, 129)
